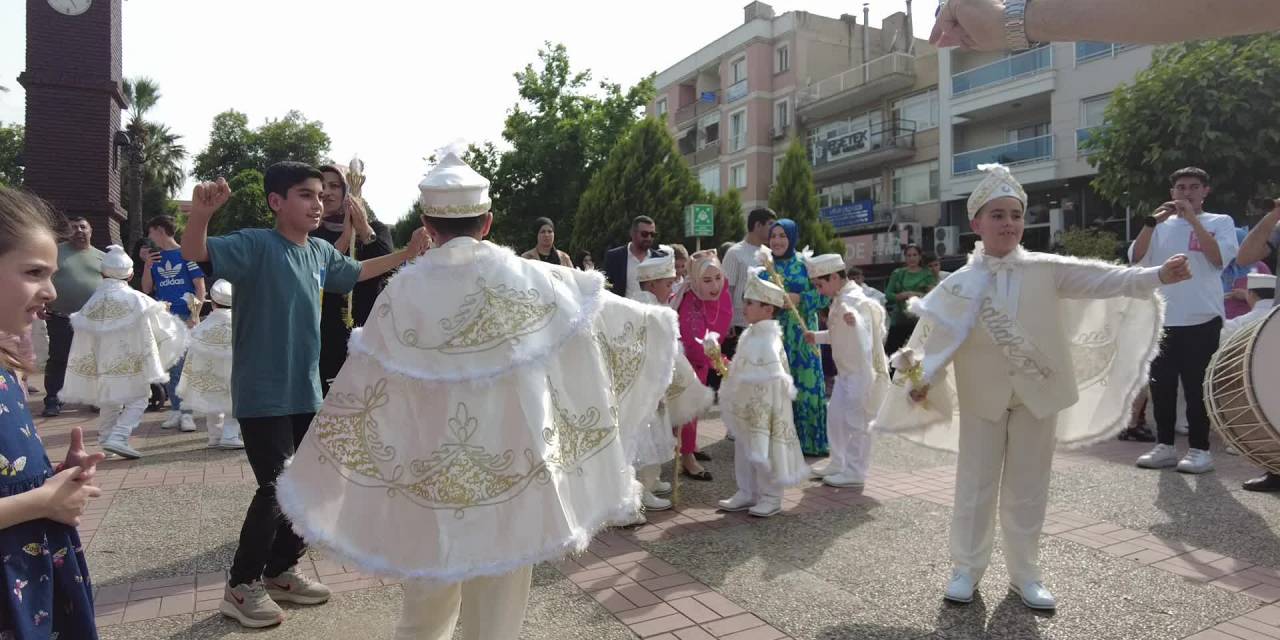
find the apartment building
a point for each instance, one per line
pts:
(1032, 111)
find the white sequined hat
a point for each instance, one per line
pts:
(762, 290)
(116, 264)
(221, 293)
(825, 264)
(452, 189)
(998, 183)
(1261, 281)
(657, 268)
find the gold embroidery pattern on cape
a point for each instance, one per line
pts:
(489, 318)
(108, 308)
(624, 355)
(352, 439)
(125, 365)
(216, 336)
(573, 438)
(204, 379)
(1092, 355)
(759, 417)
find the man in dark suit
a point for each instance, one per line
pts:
(620, 262)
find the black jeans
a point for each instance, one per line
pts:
(1184, 355)
(55, 370)
(268, 545)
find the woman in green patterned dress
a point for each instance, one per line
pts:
(810, 405)
(911, 280)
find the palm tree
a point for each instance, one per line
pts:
(155, 155)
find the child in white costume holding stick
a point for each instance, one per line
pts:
(1041, 348)
(205, 384)
(756, 400)
(124, 342)
(856, 333)
(686, 398)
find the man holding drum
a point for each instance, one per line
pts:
(1261, 242)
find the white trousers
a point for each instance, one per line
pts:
(491, 608)
(747, 475)
(1011, 458)
(648, 476)
(848, 425)
(222, 428)
(119, 421)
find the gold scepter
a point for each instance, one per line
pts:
(766, 259)
(355, 182)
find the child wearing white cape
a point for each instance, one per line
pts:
(124, 342)
(756, 406)
(205, 384)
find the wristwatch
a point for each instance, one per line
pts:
(1015, 25)
(1150, 221)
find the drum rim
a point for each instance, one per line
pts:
(1231, 348)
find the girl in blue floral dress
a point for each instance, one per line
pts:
(809, 408)
(45, 578)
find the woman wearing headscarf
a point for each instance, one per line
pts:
(810, 405)
(704, 305)
(545, 250)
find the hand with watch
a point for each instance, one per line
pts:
(983, 25)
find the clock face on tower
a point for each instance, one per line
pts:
(70, 7)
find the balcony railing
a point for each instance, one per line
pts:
(737, 91)
(898, 62)
(1004, 70)
(1014, 153)
(880, 135)
(1082, 140)
(1086, 51)
(696, 109)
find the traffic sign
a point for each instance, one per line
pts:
(699, 221)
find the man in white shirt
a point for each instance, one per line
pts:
(1193, 313)
(741, 257)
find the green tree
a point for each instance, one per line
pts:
(1091, 243)
(11, 141)
(403, 229)
(1209, 104)
(247, 207)
(731, 223)
(643, 175)
(235, 147)
(152, 172)
(560, 133)
(795, 197)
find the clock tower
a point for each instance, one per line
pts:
(74, 99)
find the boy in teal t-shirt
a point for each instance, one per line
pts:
(278, 275)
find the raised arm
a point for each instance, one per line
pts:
(374, 267)
(1256, 245)
(1101, 280)
(206, 199)
(979, 24)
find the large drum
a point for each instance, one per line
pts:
(1236, 392)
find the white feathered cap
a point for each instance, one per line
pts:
(762, 290)
(117, 264)
(998, 183)
(453, 189)
(659, 267)
(823, 265)
(221, 293)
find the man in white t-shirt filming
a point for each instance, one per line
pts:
(1193, 313)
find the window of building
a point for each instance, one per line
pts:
(709, 130)
(738, 176)
(738, 70)
(709, 178)
(737, 130)
(1089, 51)
(850, 192)
(921, 109)
(661, 108)
(916, 183)
(781, 59)
(781, 115)
(1028, 132)
(777, 167)
(1093, 110)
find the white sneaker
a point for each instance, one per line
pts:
(766, 506)
(1182, 430)
(1159, 457)
(1196, 461)
(172, 420)
(654, 503)
(823, 469)
(661, 488)
(187, 423)
(740, 501)
(959, 588)
(1232, 451)
(231, 443)
(729, 436)
(121, 448)
(1035, 596)
(844, 479)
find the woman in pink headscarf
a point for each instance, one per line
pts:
(703, 303)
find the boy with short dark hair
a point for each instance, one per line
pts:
(169, 278)
(278, 275)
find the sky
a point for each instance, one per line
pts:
(391, 80)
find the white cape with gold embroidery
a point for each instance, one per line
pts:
(1112, 342)
(686, 399)
(755, 402)
(477, 425)
(124, 341)
(205, 385)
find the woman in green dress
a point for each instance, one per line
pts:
(912, 280)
